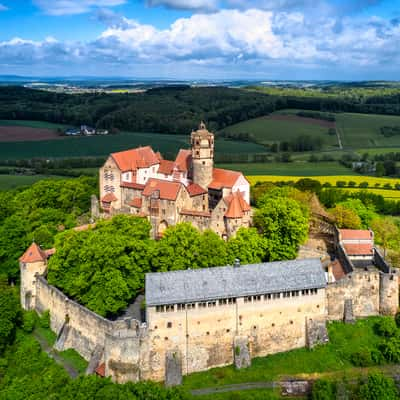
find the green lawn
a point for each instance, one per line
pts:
(293, 169)
(332, 357)
(256, 394)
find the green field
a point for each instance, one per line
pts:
(267, 131)
(31, 124)
(103, 145)
(356, 130)
(293, 168)
(16, 181)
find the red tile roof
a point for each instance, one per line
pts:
(196, 213)
(166, 167)
(50, 252)
(224, 178)
(137, 203)
(109, 198)
(33, 254)
(237, 205)
(359, 249)
(355, 234)
(183, 160)
(337, 270)
(132, 185)
(168, 190)
(101, 370)
(195, 190)
(131, 160)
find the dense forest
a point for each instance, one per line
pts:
(178, 109)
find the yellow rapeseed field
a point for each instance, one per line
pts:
(372, 181)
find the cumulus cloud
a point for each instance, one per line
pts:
(248, 40)
(3, 7)
(70, 7)
(194, 5)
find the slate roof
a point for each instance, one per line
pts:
(223, 282)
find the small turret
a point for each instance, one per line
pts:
(32, 262)
(202, 155)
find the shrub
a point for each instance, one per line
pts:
(323, 390)
(386, 327)
(352, 184)
(397, 319)
(362, 358)
(327, 185)
(363, 185)
(390, 349)
(378, 387)
(340, 183)
(44, 320)
(387, 186)
(377, 184)
(28, 321)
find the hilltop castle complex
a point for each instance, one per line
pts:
(189, 189)
(205, 318)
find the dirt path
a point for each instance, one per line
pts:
(73, 373)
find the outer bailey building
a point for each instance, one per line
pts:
(189, 189)
(205, 318)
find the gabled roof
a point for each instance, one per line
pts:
(33, 254)
(132, 185)
(224, 178)
(101, 370)
(131, 160)
(237, 205)
(166, 167)
(168, 190)
(183, 160)
(109, 198)
(356, 234)
(359, 249)
(195, 190)
(186, 286)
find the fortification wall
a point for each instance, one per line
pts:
(362, 287)
(205, 336)
(77, 327)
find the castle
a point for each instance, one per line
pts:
(189, 189)
(205, 318)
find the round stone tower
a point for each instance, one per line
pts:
(202, 156)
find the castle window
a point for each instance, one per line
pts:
(267, 296)
(232, 301)
(256, 298)
(169, 325)
(160, 309)
(295, 293)
(247, 299)
(212, 303)
(222, 302)
(276, 296)
(304, 292)
(191, 306)
(181, 307)
(286, 294)
(170, 308)
(204, 163)
(197, 153)
(202, 305)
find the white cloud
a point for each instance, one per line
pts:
(3, 7)
(246, 41)
(70, 7)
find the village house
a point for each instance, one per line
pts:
(188, 189)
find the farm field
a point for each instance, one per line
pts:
(297, 169)
(356, 130)
(16, 181)
(31, 124)
(278, 127)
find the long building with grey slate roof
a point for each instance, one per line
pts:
(199, 285)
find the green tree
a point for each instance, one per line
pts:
(346, 218)
(248, 246)
(365, 212)
(386, 233)
(283, 224)
(9, 315)
(323, 390)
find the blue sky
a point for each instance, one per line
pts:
(260, 39)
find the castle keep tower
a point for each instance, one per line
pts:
(202, 156)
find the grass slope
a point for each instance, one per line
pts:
(31, 124)
(333, 357)
(267, 130)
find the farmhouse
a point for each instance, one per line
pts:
(188, 189)
(205, 318)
